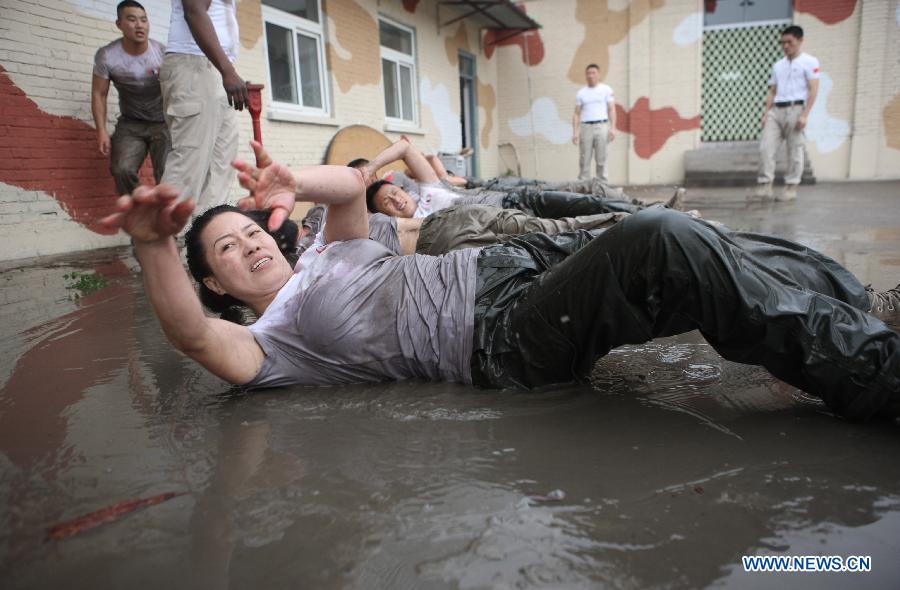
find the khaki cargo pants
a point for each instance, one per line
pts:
(203, 128)
(592, 138)
(780, 127)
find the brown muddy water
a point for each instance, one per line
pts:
(663, 475)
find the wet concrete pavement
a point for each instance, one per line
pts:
(670, 469)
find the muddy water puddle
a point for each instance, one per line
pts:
(673, 465)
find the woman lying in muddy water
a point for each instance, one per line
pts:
(532, 312)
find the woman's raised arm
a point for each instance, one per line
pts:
(276, 187)
(152, 217)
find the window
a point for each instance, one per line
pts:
(398, 71)
(738, 13)
(295, 52)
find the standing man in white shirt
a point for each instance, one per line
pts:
(792, 92)
(200, 86)
(594, 123)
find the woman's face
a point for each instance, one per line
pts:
(244, 258)
(392, 200)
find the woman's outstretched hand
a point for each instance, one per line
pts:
(150, 214)
(272, 186)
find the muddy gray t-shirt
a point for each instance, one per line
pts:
(493, 199)
(136, 78)
(383, 229)
(355, 313)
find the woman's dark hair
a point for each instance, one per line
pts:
(358, 162)
(231, 308)
(371, 192)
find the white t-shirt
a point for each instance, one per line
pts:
(791, 77)
(594, 102)
(433, 197)
(222, 13)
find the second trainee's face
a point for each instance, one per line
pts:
(394, 201)
(244, 259)
(134, 24)
(592, 75)
(791, 45)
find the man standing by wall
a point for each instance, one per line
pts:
(792, 92)
(132, 64)
(200, 86)
(594, 123)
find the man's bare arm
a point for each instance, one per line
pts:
(99, 95)
(770, 100)
(611, 107)
(576, 123)
(813, 92)
(197, 18)
(411, 156)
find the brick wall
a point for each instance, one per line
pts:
(54, 184)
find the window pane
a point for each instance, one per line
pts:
(389, 74)
(309, 71)
(281, 63)
(395, 38)
(308, 9)
(466, 66)
(727, 12)
(406, 92)
(768, 10)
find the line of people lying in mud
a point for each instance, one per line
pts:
(555, 280)
(434, 212)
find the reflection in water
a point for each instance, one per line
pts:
(671, 467)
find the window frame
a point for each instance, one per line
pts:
(399, 58)
(298, 25)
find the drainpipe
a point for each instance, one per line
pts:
(531, 106)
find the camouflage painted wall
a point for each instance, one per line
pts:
(54, 185)
(649, 51)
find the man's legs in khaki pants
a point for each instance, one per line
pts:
(203, 130)
(601, 137)
(225, 149)
(768, 146)
(796, 139)
(780, 125)
(585, 146)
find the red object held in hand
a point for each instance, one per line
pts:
(254, 91)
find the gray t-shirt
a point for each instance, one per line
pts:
(493, 199)
(383, 229)
(136, 78)
(354, 313)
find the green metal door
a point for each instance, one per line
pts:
(737, 62)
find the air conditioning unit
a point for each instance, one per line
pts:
(456, 164)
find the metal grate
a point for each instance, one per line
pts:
(736, 67)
